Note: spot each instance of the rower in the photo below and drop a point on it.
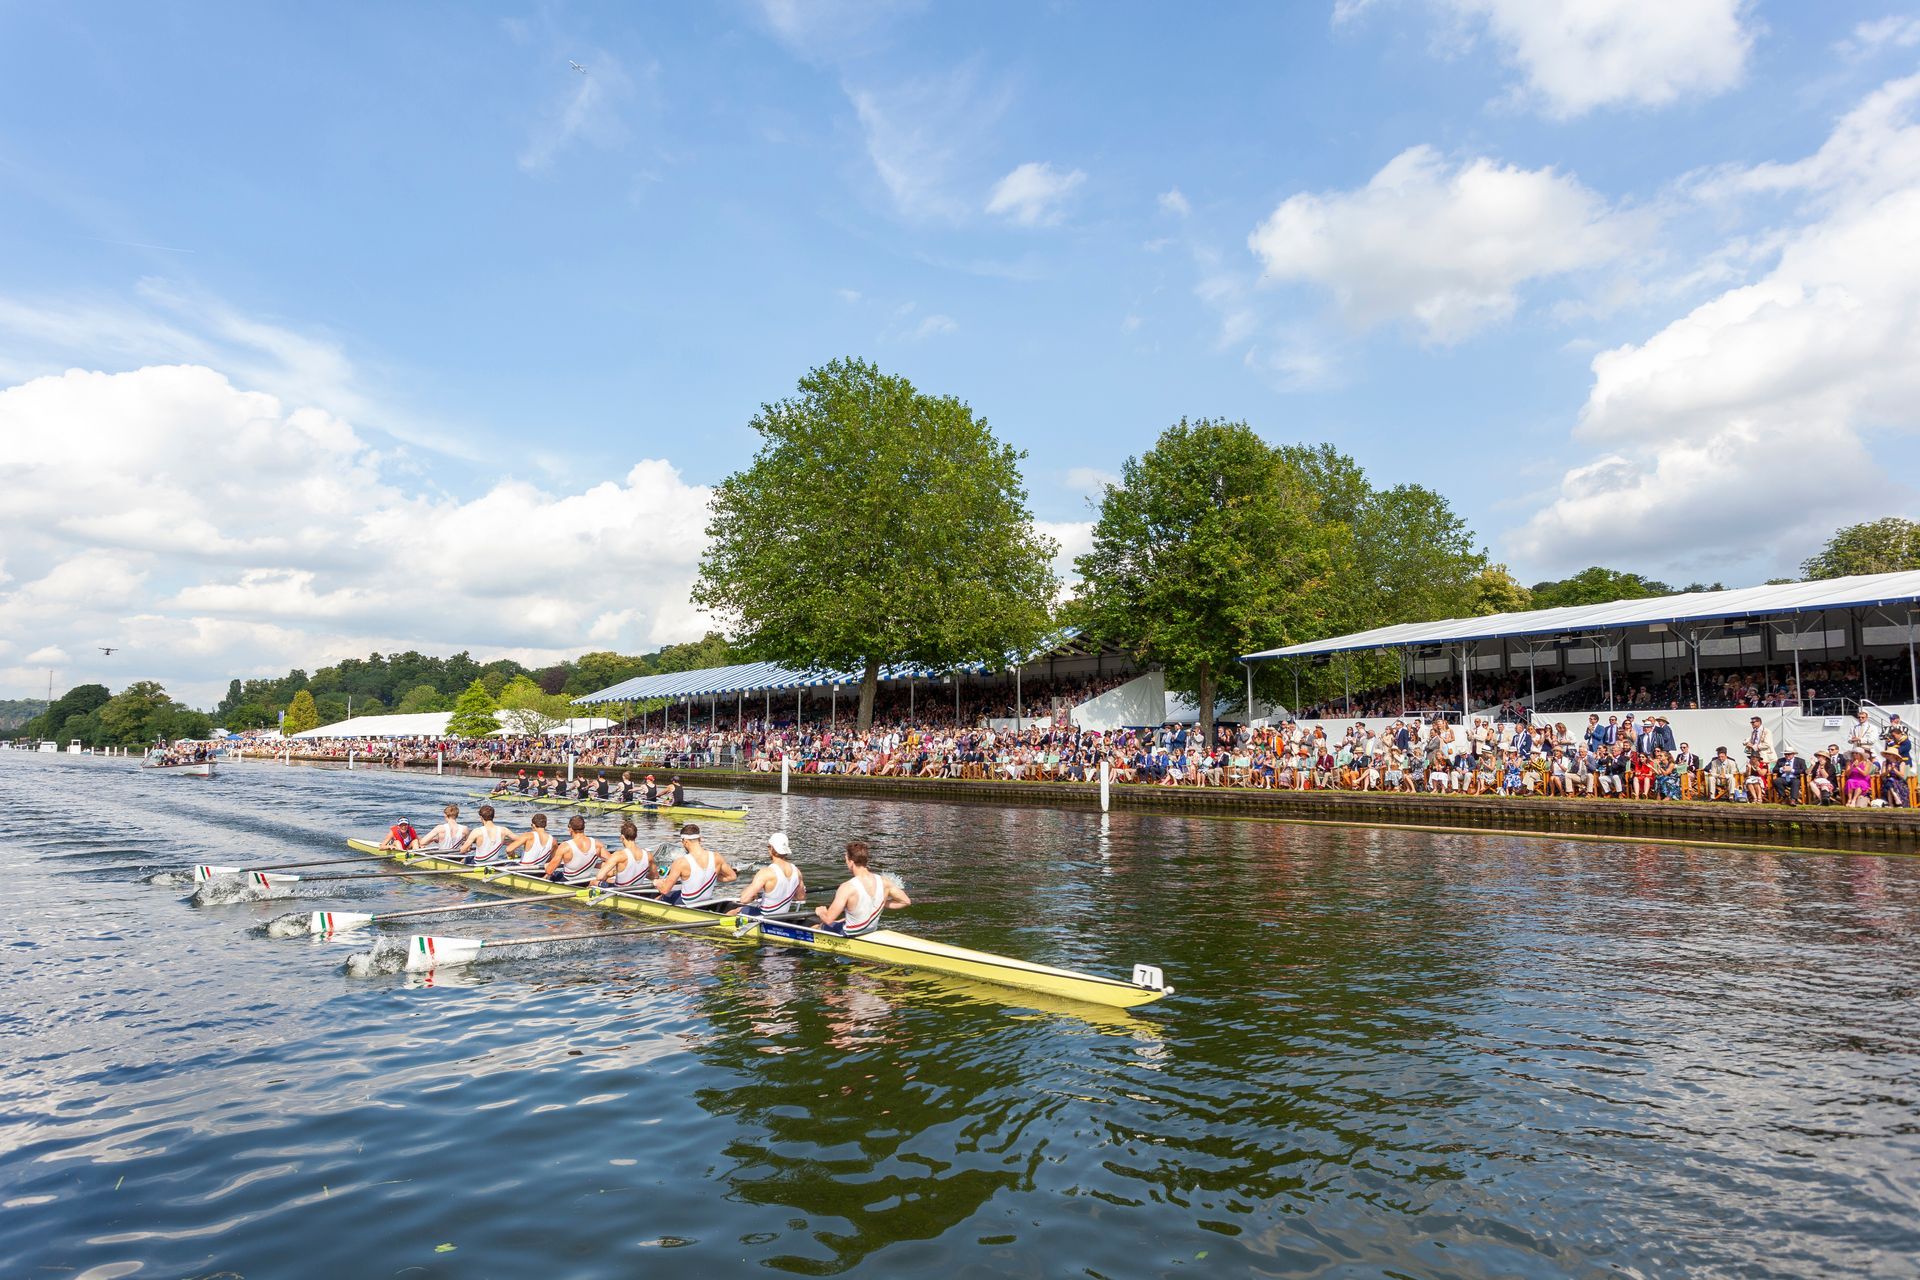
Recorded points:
(629, 865)
(580, 787)
(400, 835)
(676, 794)
(626, 788)
(522, 784)
(449, 833)
(540, 783)
(651, 792)
(575, 857)
(857, 906)
(694, 873)
(601, 790)
(484, 843)
(778, 885)
(531, 849)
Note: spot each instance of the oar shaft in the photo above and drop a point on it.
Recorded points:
(502, 904)
(398, 872)
(600, 933)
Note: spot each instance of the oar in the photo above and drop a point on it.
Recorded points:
(336, 921)
(426, 952)
(205, 871)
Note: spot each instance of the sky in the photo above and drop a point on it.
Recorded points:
(332, 329)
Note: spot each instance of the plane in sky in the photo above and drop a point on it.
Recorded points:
(577, 67)
(109, 652)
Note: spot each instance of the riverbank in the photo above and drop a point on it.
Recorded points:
(1758, 826)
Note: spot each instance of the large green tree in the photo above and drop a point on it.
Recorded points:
(143, 713)
(876, 525)
(1887, 545)
(473, 713)
(81, 700)
(1208, 547)
(528, 709)
(302, 714)
(1596, 585)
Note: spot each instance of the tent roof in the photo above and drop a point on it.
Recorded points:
(1709, 607)
(746, 677)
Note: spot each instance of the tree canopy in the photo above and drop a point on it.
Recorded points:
(876, 525)
(1888, 545)
(302, 714)
(473, 712)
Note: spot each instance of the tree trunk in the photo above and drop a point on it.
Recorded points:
(1207, 699)
(869, 684)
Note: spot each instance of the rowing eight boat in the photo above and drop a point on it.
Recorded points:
(637, 806)
(883, 946)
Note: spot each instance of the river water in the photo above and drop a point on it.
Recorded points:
(1388, 1053)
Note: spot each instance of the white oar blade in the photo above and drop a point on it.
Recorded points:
(338, 921)
(426, 952)
(203, 873)
(267, 879)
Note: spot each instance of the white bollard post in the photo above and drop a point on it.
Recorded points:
(440, 761)
(783, 773)
(349, 758)
(1106, 786)
(569, 766)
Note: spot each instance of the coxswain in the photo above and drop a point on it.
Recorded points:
(695, 873)
(401, 835)
(540, 783)
(627, 865)
(484, 843)
(502, 787)
(527, 854)
(776, 887)
(857, 906)
(449, 833)
(522, 784)
(575, 857)
(626, 788)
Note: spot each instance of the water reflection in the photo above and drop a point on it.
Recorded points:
(1421, 1053)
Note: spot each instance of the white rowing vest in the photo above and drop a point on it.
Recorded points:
(490, 842)
(579, 860)
(863, 913)
(633, 873)
(535, 854)
(785, 891)
(452, 833)
(700, 880)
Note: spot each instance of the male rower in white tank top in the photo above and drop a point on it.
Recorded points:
(448, 835)
(532, 848)
(856, 907)
(695, 874)
(575, 857)
(628, 865)
(776, 887)
(484, 842)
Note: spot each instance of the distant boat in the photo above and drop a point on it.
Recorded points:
(191, 768)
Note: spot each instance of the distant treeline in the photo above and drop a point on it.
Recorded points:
(405, 683)
(15, 712)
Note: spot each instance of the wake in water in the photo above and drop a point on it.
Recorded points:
(389, 955)
(229, 890)
(171, 879)
(294, 924)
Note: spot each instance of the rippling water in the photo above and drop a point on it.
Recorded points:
(1389, 1052)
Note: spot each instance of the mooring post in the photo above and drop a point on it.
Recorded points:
(784, 761)
(1106, 786)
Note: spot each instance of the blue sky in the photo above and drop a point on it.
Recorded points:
(1623, 279)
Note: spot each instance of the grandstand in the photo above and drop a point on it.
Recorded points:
(1807, 654)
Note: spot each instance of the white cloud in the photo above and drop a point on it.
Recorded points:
(1091, 481)
(933, 326)
(47, 656)
(210, 531)
(1033, 194)
(1896, 31)
(1764, 417)
(1448, 247)
(584, 109)
(927, 138)
(1074, 538)
(1171, 201)
(1578, 55)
